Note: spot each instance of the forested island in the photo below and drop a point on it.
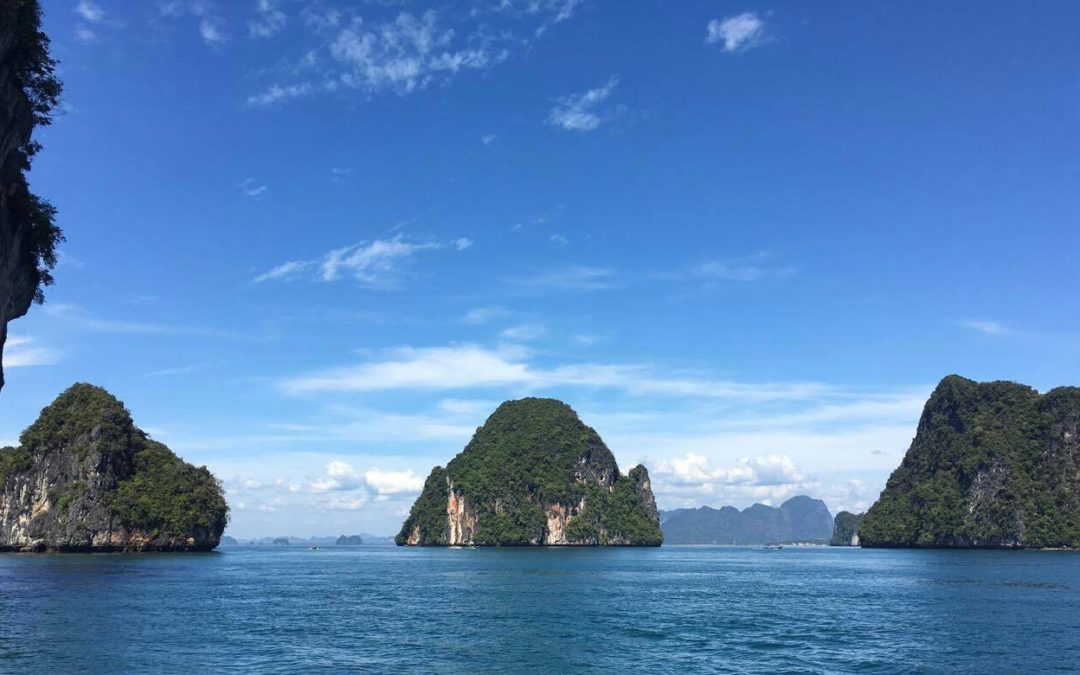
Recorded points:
(992, 465)
(85, 478)
(534, 474)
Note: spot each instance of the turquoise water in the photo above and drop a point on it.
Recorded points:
(690, 609)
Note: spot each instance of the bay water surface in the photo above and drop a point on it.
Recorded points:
(669, 609)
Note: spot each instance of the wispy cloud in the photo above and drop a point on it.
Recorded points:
(488, 139)
(578, 112)
(211, 31)
(85, 34)
(480, 315)
(376, 264)
(269, 19)
(23, 351)
(558, 239)
(575, 278)
(90, 11)
(77, 316)
(756, 267)
(985, 327)
(737, 33)
(404, 55)
(524, 332)
(211, 25)
(252, 188)
(472, 366)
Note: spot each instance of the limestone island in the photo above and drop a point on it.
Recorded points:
(534, 475)
(86, 479)
(992, 465)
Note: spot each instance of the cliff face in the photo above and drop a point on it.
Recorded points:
(799, 519)
(846, 529)
(534, 475)
(992, 465)
(86, 479)
(28, 91)
(17, 282)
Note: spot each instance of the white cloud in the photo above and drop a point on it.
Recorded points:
(211, 31)
(342, 477)
(251, 188)
(90, 11)
(695, 470)
(737, 33)
(488, 139)
(85, 34)
(576, 278)
(286, 270)
(269, 19)
(558, 239)
(749, 268)
(479, 315)
(276, 93)
(577, 112)
(986, 327)
(524, 332)
(79, 317)
(320, 18)
(404, 55)
(393, 482)
(472, 366)
(376, 264)
(23, 351)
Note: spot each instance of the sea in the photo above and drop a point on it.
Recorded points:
(674, 609)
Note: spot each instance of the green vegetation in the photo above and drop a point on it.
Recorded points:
(992, 465)
(845, 527)
(169, 497)
(82, 411)
(12, 461)
(33, 69)
(615, 516)
(150, 488)
(531, 455)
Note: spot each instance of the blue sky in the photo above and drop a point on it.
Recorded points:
(313, 244)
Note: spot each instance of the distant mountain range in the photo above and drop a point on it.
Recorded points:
(346, 540)
(799, 519)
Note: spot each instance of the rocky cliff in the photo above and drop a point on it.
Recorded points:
(992, 465)
(799, 519)
(846, 529)
(85, 478)
(28, 92)
(534, 474)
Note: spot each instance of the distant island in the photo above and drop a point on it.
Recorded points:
(992, 465)
(350, 540)
(846, 529)
(85, 478)
(534, 475)
(799, 519)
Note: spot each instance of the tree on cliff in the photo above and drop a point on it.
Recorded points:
(29, 93)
